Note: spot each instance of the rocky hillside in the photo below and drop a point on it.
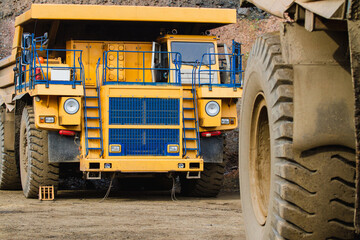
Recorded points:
(9, 9)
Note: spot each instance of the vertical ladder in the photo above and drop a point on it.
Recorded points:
(191, 136)
(92, 115)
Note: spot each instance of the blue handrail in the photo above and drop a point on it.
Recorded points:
(196, 115)
(176, 69)
(85, 113)
(35, 68)
(235, 70)
(99, 105)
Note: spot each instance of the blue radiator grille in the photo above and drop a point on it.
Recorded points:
(144, 111)
(144, 142)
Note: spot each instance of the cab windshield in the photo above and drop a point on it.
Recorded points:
(194, 51)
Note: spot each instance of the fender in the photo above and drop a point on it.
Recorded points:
(323, 90)
(8, 119)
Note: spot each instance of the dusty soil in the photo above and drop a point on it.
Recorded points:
(136, 215)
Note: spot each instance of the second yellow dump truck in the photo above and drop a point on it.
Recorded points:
(117, 90)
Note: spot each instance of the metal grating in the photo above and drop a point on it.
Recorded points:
(144, 111)
(144, 142)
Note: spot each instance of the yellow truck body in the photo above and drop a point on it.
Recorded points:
(112, 84)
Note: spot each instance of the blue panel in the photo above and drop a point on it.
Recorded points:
(144, 111)
(161, 111)
(144, 142)
(126, 111)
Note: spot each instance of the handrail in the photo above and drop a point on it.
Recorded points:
(235, 70)
(97, 72)
(85, 111)
(176, 61)
(234, 80)
(99, 104)
(236, 51)
(35, 68)
(72, 68)
(196, 115)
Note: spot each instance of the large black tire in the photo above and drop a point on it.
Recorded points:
(208, 185)
(9, 171)
(285, 194)
(35, 169)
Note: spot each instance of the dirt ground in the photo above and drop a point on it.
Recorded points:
(135, 215)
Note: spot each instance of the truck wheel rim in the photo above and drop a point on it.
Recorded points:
(260, 159)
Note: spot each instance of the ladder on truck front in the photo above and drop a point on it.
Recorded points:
(92, 117)
(191, 135)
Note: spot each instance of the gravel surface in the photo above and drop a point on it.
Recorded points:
(136, 215)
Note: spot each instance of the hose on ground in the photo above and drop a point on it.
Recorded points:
(109, 189)
(173, 189)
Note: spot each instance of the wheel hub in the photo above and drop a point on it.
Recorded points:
(260, 159)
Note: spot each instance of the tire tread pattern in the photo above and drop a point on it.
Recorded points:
(208, 185)
(315, 191)
(40, 171)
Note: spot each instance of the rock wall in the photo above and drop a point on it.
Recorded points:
(9, 9)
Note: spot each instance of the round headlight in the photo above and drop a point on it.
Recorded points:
(71, 106)
(212, 108)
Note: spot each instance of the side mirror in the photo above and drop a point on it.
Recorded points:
(46, 39)
(26, 57)
(237, 59)
(26, 41)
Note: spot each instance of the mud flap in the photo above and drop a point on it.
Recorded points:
(62, 148)
(212, 149)
(9, 129)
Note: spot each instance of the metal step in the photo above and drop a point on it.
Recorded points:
(93, 117)
(187, 108)
(189, 119)
(192, 149)
(93, 127)
(94, 148)
(191, 139)
(91, 87)
(94, 138)
(91, 107)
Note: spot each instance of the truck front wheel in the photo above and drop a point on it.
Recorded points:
(208, 185)
(286, 194)
(211, 179)
(35, 168)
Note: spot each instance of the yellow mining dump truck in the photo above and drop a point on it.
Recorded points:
(118, 89)
(299, 126)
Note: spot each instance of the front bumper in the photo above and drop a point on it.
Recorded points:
(142, 165)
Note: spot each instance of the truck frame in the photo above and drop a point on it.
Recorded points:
(118, 91)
